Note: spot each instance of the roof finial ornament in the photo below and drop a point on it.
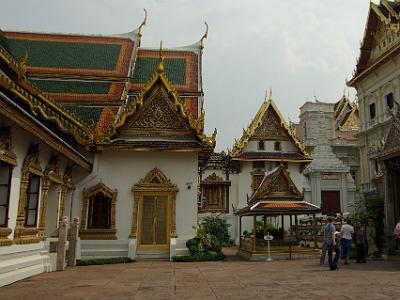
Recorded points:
(143, 23)
(205, 35)
(23, 64)
(270, 93)
(160, 67)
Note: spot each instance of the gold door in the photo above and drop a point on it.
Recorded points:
(154, 225)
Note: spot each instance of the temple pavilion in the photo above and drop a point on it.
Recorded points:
(102, 129)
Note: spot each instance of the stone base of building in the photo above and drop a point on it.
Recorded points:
(21, 261)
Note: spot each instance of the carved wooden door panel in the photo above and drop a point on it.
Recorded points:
(154, 221)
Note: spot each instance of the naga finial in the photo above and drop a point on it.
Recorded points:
(205, 35)
(143, 23)
(160, 67)
(214, 136)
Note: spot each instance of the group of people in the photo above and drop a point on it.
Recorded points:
(340, 242)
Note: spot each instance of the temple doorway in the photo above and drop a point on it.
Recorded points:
(154, 222)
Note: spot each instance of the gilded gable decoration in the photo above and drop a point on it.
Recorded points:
(6, 153)
(158, 86)
(270, 128)
(53, 171)
(98, 233)
(267, 124)
(213, 177)
(155, 179)
(383, 22)
(276, 185)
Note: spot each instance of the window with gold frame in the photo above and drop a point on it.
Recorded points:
(99, 213)
(214, 195)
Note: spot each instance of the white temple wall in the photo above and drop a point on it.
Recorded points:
(122, 170)
(21, 261)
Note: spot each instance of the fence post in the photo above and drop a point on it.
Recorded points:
(73, 237)
(61, 245)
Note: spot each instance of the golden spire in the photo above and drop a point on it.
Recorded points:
(160, 67)
(143, 23)
(205, 35)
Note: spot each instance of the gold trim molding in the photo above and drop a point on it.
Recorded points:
(153, 183)
(31, 165)
(6, 153)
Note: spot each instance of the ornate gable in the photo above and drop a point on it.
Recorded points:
(270, 128)
(382, 22)
(155, 179)
(157, 111)
(276, 185)
(157, 117)
(268, 124)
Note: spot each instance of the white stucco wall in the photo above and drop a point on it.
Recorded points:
(122, 170)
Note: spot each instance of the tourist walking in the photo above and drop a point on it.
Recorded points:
(331, 244)
(346, 233)
(361, 244)
(324, 248)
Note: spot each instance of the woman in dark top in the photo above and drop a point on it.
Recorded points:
(361, 244)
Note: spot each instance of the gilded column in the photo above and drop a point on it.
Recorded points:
(173, 216)
(43, 206)
(19, 228)
(84, 212)
(135, 215)
(63, 194)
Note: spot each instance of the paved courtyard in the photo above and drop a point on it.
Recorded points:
(298, 279)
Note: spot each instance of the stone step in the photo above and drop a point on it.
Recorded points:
(153, 254)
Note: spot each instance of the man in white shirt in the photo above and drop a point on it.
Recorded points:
(346, 234)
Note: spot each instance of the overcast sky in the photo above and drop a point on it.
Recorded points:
(302, 49)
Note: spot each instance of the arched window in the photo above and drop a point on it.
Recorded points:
(277, 146)
(261, 145)
(99, 212)
(5, 185)
(32, 201)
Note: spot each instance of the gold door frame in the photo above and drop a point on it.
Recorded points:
(168, 226)
(155, 183)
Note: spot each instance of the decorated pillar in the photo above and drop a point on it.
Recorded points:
(63, 195)
(135, 215)
(173, 216)
(43, 207)
(22, 234)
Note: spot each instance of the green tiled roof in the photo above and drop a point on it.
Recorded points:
(72, 87)
(3, 42)
(66, 55)
(175, 69)
(88, 114)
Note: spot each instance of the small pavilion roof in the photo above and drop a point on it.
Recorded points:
(277, 194)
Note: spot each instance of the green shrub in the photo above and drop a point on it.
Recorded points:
(212, 256)
(218, 227)
(203, 243)
(103, 261)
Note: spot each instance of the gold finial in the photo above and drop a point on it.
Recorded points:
(270, 93)
(160, 67)
(24, 60)
(143, 23)
(205, 35)
(214, 136)
(23, 64)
